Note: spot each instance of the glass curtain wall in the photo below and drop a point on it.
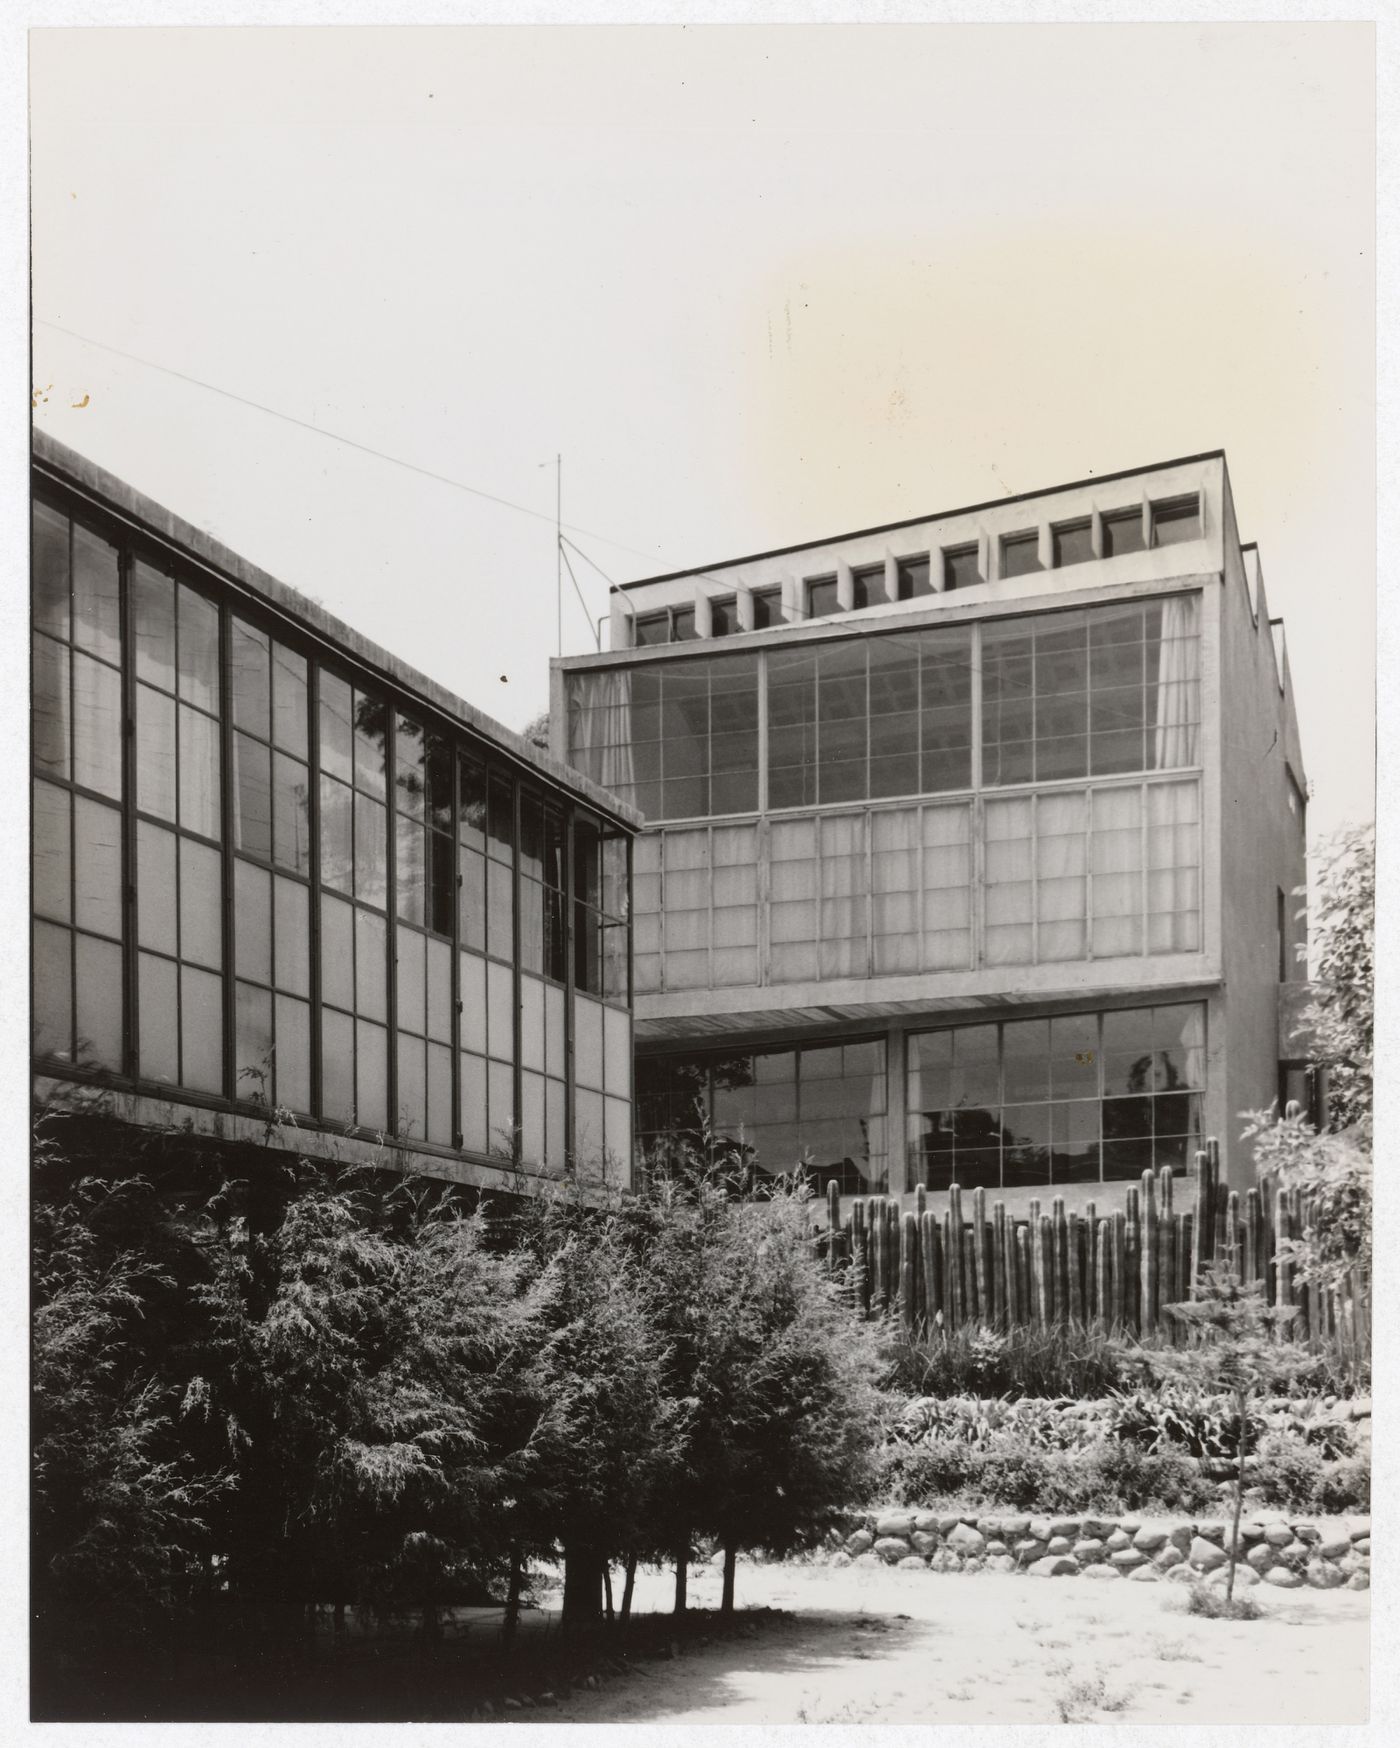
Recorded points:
(1097, 871)
(337, 909)
(818, 1108)
(1074, 694)
(1077, 1098)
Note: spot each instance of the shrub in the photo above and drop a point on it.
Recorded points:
(1286, 1471)
(1009, 1471)
(936, 1469)
(1054, 1362)
(1176, 1415)
(1344, 1486)
(1018, 1474)
(1048, 1425)
(1122, 1477)
(1214, 1605)
(1290, 1472)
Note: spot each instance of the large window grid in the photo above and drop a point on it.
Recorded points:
(1035, 698)
(816, 1107)
(869, 717)
(77, 831)
(1074, 872)
(1075, 1098)
(272, 869)
(179, 833)
(303, 989)
(353, 745)
(425, 900)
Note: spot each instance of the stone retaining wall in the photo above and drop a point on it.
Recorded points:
(1289, 1552)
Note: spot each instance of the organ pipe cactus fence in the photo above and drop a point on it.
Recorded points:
(1115, 1271)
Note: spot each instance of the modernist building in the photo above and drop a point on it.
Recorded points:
(971, 840)
(275, 868)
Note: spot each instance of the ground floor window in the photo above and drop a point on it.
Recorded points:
(815, 1107)
(1075, 1098)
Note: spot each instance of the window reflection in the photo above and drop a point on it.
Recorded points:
(816, 1109)
(1078, 1098)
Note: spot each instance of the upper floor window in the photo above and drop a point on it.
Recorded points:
(1175, 520)
(1072, 542)
(1065, 694)
(1122, 532)
(960, 567)
(767, 608)
(669, 625)
(868, 586)
(821, 597)
(1020, 554)
(724, 617)
(913, 578)
(1103, 690)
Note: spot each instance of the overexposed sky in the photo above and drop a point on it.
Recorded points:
(757, 284)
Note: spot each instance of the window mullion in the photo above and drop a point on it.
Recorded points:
(1088, 871)
(313, 798)
(570, 1000)
(391, 919)
(131, 1014)
(761, 789)
(1035, 876)
(517, 896)
(1142, 867)
(454, 1016)
(230, 1052)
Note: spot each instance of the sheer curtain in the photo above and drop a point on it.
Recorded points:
(1116, 861)
(792, 906)
(1173, 862)
(1009, 891)
(1061, 845)
(600, 727)
(895, 883)
(844, 897)
(1178, 683)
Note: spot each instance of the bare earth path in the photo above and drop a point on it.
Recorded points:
(890, 1647)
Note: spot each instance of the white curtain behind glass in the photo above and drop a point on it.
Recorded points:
(895, 880)
(600, 727)
(843, 878)
(1178, 683)
(1173, 862)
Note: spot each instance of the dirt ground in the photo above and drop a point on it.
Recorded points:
(890, 1647)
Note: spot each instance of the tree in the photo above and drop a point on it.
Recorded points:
(1235, 1352)
(778, 1370)
(536, 730)
(1333, 1170)
(1342, 1015)
(802, 1414)
(119, 1528)
(360, 1354)
(609, 1435)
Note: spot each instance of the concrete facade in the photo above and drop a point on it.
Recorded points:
(1243, 776)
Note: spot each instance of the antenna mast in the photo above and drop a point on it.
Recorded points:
(559, 550)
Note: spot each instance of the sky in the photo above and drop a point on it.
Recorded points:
(755, 286)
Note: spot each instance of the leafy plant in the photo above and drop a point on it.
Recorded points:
(1178, 1416)
(1235, 1348)
(1056, 1362)
(1342, 1016)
